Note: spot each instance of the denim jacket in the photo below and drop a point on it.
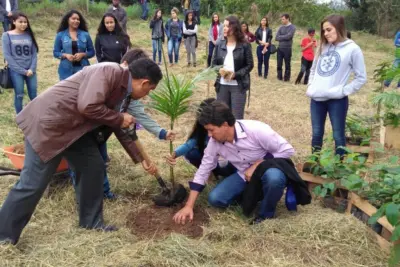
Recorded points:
(63, 44)
(168, 29)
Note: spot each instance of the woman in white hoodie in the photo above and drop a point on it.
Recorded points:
(328, 86)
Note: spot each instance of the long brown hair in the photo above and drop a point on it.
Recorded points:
(236, 28)
(212, 19)
(266, 24)
(15, 16)
(338, 23)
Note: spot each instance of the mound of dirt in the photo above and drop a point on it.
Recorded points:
(157, 222)
(19, 149)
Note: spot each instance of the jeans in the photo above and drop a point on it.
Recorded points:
(6, 24)
(194, 157)
(66, 75)
(106, 183)
(231, 188)
(396, 64)
(211, 47)
(173, 47)
(21, 202)
(337, 109)
(284, 54)
(305, 68)
(263, 58)
(19, 81)
(157, 44)
(145, 9)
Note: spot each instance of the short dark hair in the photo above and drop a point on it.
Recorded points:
(216, 113)
(145, 68)
(348, 34)
(311, 30)
(134, 54)
(286, 15)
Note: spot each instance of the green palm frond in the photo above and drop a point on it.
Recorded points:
(390, 99)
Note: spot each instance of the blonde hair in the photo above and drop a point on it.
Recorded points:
(174, 9)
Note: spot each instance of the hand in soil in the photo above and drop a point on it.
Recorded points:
(181, 216)
(149, 167)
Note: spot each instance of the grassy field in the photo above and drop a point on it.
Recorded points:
(314, 236)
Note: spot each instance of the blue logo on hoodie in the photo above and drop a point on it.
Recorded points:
(328, 63)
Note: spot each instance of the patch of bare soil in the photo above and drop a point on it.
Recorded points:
(153, 221)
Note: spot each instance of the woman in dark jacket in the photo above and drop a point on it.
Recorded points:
(235, 55)
(111, 41)
(263, 39)
(157, 34)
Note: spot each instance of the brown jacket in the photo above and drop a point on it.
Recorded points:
(73, 107)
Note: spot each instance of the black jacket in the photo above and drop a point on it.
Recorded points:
(259, 35)
(110, 47)
(153, 23)
(243, 59)
(253, 192)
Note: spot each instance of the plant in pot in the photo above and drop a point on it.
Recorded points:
(359, 129)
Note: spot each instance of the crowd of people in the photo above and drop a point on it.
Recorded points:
(74, 118)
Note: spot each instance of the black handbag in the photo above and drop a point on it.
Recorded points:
(272, 48)
(5, 79)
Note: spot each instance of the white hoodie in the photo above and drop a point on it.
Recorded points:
(330, 72)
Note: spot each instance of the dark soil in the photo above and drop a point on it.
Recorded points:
(19, 149)
(153, 221)
(338, 205)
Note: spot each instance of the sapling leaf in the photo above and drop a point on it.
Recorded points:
(380, 212)
(324, 192)
(330, 186)
(393, 159)
(395, 255)
(392, 214)
(317, 190)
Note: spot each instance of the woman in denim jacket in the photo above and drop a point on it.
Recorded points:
(73, 44)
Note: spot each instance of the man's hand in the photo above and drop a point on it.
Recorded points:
(170, 135)
(184, 213)
(128, 120)
(249, 172)
(149, 167)
(9, 14)
(171, 159)
(78, 56)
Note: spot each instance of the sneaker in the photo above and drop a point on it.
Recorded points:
(106, 228)
(110, 196)
(194, 65)
(188, 64)
(6, 242)
(290, 199)
(257, 220)
(159, 63)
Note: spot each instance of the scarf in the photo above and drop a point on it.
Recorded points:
(215, 31)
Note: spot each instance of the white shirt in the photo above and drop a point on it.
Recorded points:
(229, 64)
(264, 37)
(8, 6)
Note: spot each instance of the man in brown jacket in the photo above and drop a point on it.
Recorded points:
(60, 123)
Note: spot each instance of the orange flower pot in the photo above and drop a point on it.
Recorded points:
(18, 159)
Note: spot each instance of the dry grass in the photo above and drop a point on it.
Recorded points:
(314, 236)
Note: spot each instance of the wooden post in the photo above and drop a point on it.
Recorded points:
(87, 6)
(208, 11)
(223, 10)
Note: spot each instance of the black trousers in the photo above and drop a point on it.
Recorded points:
(21, 202)
(305, 68)
(284, 54)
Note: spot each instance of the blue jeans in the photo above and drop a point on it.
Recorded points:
(157, 44)
(19, 81)
(194, 157)
(6, 24)
(396, 64)
(106, 183)
(231, 188)
(145, 9)
(211, 47)
(337, 109)
(173, 46)
(64, 76)
(263, 58)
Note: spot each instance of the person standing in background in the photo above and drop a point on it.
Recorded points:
(7, 8)
(396, 61)
(145, 9)
(235, 56)
(215, 35)
(73, 45)
(263, 39)
(112, 42)
(328, 87)
(195, 6)
(185, 6)
(190, 37)
(157, 35)
(308, 45)
(284, 36)
(119, 12)
(20, 51)
(173, 29)
(249, 36)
